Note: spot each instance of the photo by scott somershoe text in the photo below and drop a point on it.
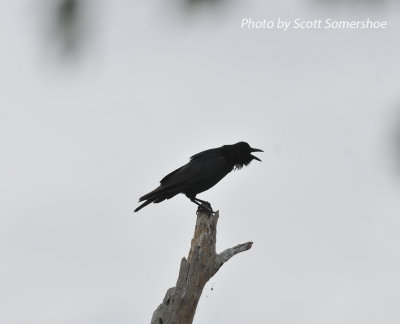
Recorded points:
(301, 24)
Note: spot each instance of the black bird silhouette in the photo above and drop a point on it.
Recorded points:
(204, 170)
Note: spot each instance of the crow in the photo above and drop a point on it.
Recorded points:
(204, 170)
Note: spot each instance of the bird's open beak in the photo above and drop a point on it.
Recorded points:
(255, 150)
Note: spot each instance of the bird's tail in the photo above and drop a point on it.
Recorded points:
(144, 205)
(157, 195)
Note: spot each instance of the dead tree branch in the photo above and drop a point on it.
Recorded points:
(180, 302)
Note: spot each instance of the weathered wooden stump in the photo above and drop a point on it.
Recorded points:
(180, 302)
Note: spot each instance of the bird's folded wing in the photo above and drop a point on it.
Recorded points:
(203, 154)
(199, 169)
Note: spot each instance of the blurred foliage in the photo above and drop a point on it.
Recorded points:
(197, 2)
(71, 19)
(68, 26)
(192, 6)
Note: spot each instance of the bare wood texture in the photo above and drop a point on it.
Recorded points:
(180, 302)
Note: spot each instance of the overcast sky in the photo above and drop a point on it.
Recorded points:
(81, 139)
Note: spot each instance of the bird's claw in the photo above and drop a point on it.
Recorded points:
(205, 207)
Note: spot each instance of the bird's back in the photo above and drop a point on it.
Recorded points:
(202, 172)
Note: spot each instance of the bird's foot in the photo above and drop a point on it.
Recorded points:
(205, 207)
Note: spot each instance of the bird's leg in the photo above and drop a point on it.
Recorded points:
(203, 203)
(193, 200)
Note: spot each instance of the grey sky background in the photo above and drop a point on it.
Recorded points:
(156, 82)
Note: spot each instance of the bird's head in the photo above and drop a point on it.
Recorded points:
(241, 154)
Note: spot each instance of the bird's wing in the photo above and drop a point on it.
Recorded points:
(203, 154)
(199, 169)
(168, 176)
